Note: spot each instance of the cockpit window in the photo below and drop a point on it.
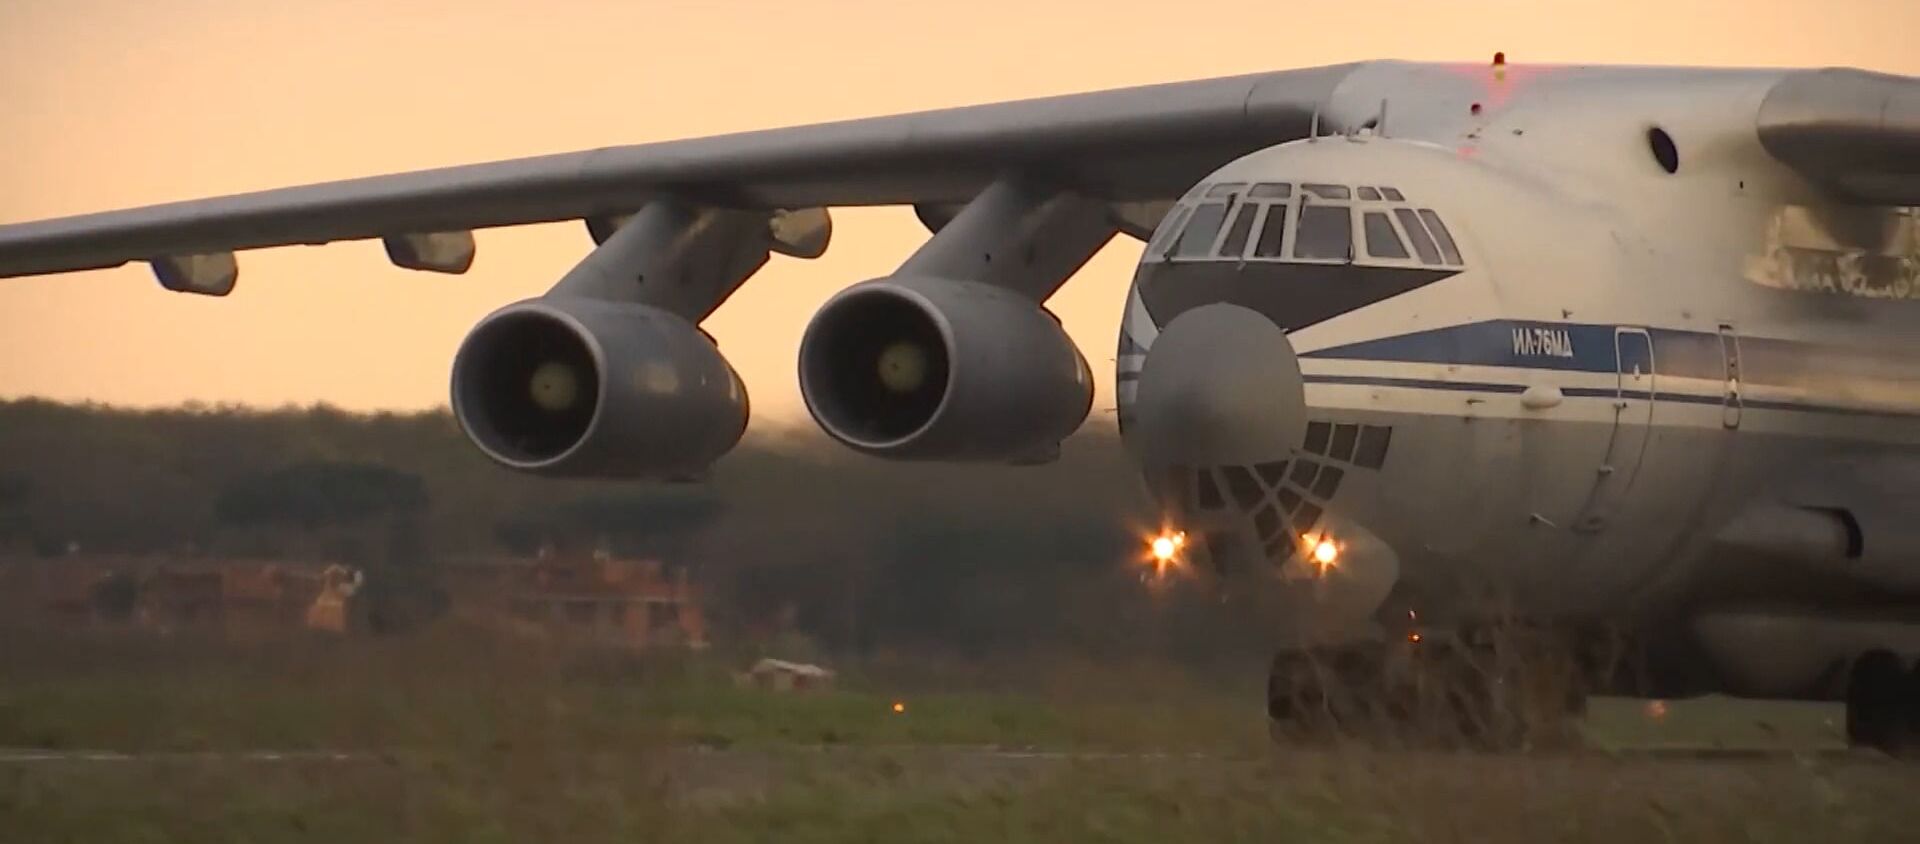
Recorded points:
(1240, 221)
(1440, 234)
(1422, 243)
(1169, 230)
(1382, 240)
(1326, 233)
(1197, 240)
(1236, 242)
(1272, 231)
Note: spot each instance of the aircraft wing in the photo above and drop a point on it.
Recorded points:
(1132, 143)
(1855, 132)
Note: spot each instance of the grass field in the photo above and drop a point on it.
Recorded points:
(456, 690)
(454, 737)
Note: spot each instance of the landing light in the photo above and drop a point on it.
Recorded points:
(1326, 553)
(1164, 549)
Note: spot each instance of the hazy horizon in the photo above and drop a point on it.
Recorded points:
(116, 104)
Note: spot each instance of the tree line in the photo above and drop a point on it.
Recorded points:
(859, 553)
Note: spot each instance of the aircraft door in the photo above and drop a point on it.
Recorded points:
(1634, 395)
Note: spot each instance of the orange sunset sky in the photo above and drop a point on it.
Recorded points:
(113, 103)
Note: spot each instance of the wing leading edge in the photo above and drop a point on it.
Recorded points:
(1131, 143)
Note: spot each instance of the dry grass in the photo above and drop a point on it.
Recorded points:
(461, 738)
(946, 795)
(454, 689)
(1355, 796)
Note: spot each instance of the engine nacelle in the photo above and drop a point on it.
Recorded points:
(936, 369)
(578, 387)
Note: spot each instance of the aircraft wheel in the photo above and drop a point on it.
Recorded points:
(1882, 699)
(1500, 699)
(1910, 710)
(1435, 696)
(1318, 695)
(1298, 708)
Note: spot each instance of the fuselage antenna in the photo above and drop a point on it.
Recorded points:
(1313, 128)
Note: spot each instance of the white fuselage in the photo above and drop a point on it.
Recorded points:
(1620, 359)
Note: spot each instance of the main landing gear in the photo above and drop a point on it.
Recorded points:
(1883, 705)
(1481, 692)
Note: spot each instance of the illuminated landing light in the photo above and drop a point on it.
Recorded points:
(1325, 553)
(1164, 550)
(899, 708)
(1322, 552)
(1656, 710)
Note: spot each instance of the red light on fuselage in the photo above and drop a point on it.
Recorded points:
(1500, 59)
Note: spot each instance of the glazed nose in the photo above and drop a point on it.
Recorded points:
(1221, 386)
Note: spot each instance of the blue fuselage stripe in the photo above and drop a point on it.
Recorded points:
(1600, 392)
(1417, 383)
(1575, 347)
(1608, 349)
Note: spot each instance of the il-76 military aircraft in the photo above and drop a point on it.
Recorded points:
(1626, 359)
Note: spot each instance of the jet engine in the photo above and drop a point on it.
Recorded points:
(936, 369)
(580, 387)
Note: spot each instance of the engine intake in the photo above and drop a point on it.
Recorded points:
(935, 369)
(588, 388)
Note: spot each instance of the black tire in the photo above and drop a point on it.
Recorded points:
(1910, 708)
(1320, 696)
(1880, 703)
(1527, 698)
(1298, 709)
(1438, 696)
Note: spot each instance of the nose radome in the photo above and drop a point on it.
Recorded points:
(1221, 386)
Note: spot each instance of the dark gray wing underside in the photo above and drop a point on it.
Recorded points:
(1143, 142)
